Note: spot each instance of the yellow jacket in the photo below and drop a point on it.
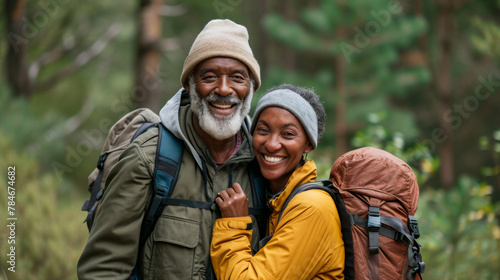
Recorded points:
(306, 244)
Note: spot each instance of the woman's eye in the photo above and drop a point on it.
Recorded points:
(288, 134)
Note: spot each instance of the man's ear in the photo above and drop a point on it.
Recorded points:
(187, 81)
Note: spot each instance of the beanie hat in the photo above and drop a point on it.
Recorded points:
(221, 38)
(295, 104)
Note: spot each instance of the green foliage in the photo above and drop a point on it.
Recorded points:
(460, 233)
(49, 235)
(487, 40)
(389, 135)
(26, 130)
(368, 36)
(492, 145)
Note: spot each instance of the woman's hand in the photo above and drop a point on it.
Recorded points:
(233, 202)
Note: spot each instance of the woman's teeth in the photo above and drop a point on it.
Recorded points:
(273, 159)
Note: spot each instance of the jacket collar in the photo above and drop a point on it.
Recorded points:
(304, 174)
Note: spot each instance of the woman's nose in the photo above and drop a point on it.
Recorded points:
(273, 143)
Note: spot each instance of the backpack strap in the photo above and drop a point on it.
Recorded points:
(90, 205)
(414, 256)
(373, 226)
(259, 209)
(168, 156)
(400, 232)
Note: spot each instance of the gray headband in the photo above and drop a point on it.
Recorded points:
(296, 104)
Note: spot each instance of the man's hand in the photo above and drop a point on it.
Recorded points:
(233, 202)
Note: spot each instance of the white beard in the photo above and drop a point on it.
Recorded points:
(219, 127)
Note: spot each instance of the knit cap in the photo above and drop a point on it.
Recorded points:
(295, 104)
(221, 38)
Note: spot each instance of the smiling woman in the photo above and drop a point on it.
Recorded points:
(306, 243)
(279, 141)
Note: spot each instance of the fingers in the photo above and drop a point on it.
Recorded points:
(224, 195)
(230, 195)
(219, 201)
(237, 188)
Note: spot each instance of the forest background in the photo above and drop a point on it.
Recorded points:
(417, 78)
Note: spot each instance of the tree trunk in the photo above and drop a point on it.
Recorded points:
(340, 105)
(146, 92)
(445, 40)
(288, 12)
(18, 37)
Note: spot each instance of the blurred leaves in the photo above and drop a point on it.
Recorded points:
(488, 37)
(460, 233)
(49, 235)
(368, 36)
(379, 133)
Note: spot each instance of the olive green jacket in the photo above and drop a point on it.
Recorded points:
(179, 247)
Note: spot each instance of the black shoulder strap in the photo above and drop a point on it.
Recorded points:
(90, 205)
(259, 209)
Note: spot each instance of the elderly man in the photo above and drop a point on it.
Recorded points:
(209, 114)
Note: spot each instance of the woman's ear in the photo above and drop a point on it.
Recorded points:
(309, 147)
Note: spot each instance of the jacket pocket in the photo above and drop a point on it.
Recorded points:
(175, 241)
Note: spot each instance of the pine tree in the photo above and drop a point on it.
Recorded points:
(358, 55)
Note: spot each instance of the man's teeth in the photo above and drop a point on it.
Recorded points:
(222, 106)
(273, 159)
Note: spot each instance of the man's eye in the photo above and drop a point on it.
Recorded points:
(207, 78)
(261, 130)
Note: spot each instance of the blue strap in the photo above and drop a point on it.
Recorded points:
(168, 156)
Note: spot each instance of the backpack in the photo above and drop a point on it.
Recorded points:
(376, 195)
(168, 156)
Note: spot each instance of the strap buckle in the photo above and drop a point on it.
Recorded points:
(374, 222)
(155, 202)
(413, 225)
(101, 160)
(373, 226)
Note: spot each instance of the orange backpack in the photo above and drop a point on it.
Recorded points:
(376, 195)
(380, 193)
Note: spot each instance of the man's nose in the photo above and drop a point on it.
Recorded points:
(224, 87)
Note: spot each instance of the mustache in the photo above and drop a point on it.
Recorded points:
(222, 99)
